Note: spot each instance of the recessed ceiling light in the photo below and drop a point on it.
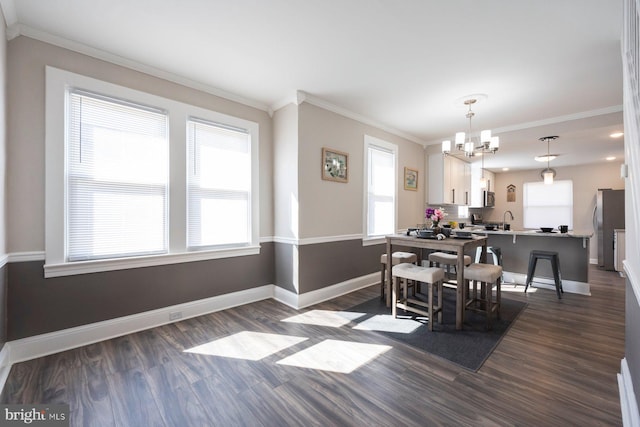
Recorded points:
(616, 134)
(545, 158)
(505, 169)
(610, 158)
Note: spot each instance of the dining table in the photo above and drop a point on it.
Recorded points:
(450, 244)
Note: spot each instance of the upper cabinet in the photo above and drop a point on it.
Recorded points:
(477, 193)
(449, 180)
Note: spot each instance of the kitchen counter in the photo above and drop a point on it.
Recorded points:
(537, 233)
(516, 245)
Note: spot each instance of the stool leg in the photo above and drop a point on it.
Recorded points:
(394, 296)
(382, 281)
(532, 268)
(556, 275)
(440, 302)
(489, 303)
(498, 296)
(430, 308)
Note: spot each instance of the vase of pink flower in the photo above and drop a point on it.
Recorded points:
(435, 216)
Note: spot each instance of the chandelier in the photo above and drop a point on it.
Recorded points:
(486, 144)
(547, 174)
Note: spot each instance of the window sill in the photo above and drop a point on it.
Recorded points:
(96, 266)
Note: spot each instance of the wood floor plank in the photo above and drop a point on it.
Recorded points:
(556, 366)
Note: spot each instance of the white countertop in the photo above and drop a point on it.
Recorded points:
(573, 233)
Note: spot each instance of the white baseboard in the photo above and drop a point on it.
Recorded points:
(570, 286)
(325, 294)
(5, 364)
(67, 339)
(314, 297)
(628, 402)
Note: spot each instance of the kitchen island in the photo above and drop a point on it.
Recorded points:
(572, 248)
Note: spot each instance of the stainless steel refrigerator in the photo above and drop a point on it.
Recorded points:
(608, 216)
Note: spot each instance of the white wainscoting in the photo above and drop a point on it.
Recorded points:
(628, 402)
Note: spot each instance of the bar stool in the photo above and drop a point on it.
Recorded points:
(486, 275)
(494, 252)
(437, 259)
(554, 258)
(396, 258)
(432, 276)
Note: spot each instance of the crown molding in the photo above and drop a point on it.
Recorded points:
(9, 12)
(135, 65)
(548, 121)
(319, 102)
(559, 119)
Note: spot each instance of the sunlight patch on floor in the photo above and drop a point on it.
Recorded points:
(335, 356)
(334, 319)
(387, 323)
(247, 345)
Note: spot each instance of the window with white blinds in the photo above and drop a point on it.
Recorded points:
(135, 180)
(548, 205)
(117, 180)
(219, 185)
(381, 187)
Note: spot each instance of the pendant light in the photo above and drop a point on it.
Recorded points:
(548, 174)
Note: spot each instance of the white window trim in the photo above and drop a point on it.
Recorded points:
(57, 83)
(370, 141)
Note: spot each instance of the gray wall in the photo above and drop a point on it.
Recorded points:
(324, 264)
(3, 178)
(39, 305)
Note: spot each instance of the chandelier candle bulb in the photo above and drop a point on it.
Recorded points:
(468, 148)
(485, 136)
(446, 146)
(460, 139)
(494, 143)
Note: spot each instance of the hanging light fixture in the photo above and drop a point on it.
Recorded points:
(548, 174)
(487, 143)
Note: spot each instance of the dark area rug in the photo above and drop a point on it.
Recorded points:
(468, 348)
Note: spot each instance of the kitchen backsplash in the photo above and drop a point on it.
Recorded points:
(459, 213)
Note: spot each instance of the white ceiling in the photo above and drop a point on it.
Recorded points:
(548, 68)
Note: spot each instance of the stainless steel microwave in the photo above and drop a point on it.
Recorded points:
(489, 199)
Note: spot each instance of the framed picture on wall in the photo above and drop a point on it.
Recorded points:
(410, 179)
(335, 165)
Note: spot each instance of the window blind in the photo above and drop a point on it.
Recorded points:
(381, 191)
(117, 163)
(548, 205)
(219, 185)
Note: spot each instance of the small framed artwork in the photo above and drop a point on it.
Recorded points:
(410, 179)
(335, 165)
(511, 193)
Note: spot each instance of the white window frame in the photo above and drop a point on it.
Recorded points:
(528, 222)
(58, 83)
(373, 142)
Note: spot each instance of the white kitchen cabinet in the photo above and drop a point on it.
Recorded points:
(477, 193)
(448, 180)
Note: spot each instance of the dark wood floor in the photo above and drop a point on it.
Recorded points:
(556, 366)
